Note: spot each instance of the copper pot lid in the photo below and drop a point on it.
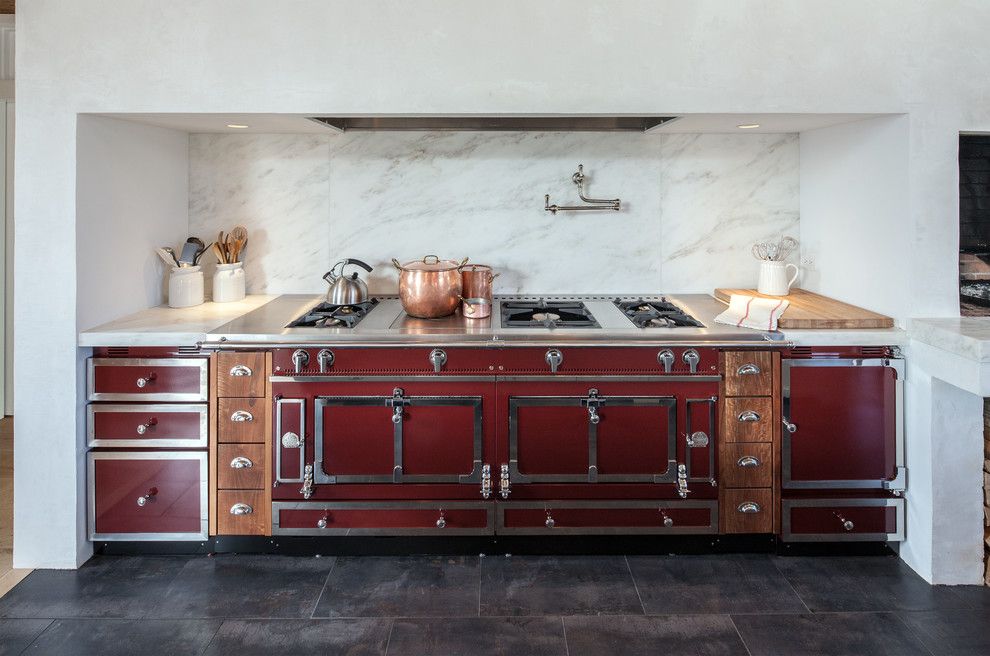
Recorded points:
(430, 263)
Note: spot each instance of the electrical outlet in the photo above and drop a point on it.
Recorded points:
(808, 261)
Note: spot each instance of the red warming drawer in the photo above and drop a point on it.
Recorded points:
(841, 520)
(382, 517)
(178, 425)
(607, 517)
(148, 379)
(148, 495)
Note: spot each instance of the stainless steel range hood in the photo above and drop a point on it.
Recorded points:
(495, 123)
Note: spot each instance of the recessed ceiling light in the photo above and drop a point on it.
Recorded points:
(744, 126)
(240, 126)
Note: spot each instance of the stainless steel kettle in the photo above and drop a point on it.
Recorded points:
(346, 290)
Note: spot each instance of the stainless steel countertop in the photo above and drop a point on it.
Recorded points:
(387, 324)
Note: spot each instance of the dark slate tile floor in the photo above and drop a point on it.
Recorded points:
(710, 605)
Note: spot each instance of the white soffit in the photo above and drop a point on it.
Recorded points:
(769, 123)
(300, 124)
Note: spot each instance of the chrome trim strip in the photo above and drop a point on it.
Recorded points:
(204, 488)
(711, 528)
(788, 536)
(194, 397)
(277, 441)
(897, 364)
(279, 506)
(548, 377)
(148, 408)
(689, 430)
(592, 476)
(407, 342)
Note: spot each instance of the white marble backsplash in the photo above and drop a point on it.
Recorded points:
(691, 205)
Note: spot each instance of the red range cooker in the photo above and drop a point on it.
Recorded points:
(513, 440)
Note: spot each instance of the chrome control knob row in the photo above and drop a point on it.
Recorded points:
(690, 357)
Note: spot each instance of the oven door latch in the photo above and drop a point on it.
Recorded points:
(397, 403)
(593, 403)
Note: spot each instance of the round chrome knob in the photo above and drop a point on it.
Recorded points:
(441, 523)
(142, 501)
(143, 382)
(550, 523)
(322, 523)
(144, 428)
(291, 440)
(848, 525)
(668, 522)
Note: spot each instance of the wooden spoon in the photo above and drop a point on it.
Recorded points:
(218, 251)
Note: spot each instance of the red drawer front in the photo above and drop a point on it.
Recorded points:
(604, 517)
(154, 496)
(171, 425)
(365, 518)
(841, 520)
(604, 361)
(165, 379)
(386, 361)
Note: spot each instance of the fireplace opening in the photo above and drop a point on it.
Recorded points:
(974, 225)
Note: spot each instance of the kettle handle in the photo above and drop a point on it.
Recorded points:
(359, 263)
(329, 276)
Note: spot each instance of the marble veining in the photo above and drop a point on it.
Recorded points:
(691, 205)
(275, 185)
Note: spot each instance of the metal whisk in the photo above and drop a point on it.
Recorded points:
(774, 251)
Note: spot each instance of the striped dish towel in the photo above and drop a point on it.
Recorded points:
(753, 312)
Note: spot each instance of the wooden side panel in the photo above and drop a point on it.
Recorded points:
(254, 523)
(268, 447)
(247, 385)
(735, 520)
(736, 424)
(740, 383)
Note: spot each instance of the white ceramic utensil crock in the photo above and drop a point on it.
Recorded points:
(228, 283)
(773, 278)
(185, 287)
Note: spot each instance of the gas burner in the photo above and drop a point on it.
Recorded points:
(547, 314)
(656, 314)
(327, 315)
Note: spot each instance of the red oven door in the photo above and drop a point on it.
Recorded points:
(596, 436)
(384, 439)
(842, 423)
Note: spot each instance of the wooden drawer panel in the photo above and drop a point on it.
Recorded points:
(746, 464)
(242, 420)
(148, 379)
(241, 374)
(241, 512)
(747, 511)
(147, 495)
(607, 517)
(748, 373)
(842, 520)
(748, 419)
(383, 518)
(241, 466)
(174, 425)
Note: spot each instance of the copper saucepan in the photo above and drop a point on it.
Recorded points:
(476, 283)
(431, 287)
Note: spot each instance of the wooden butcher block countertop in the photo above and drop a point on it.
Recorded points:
(810, 310)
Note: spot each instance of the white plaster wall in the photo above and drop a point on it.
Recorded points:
(132, 191)
(692, 205)
(446, 56)
(855, 228)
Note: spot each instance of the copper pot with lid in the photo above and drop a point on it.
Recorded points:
(430, 288)
(476, 284)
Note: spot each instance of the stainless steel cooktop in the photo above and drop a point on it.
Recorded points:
(387, 323)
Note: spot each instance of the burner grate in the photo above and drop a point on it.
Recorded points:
(327, 315)
(547, 314)
(656, 314)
